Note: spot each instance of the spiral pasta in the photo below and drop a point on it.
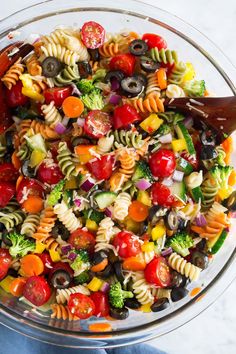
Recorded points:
(177, 74)
(188, 269)
(62, 295)
(148, 256)
(12, 75)
(51, 114)
(121, 206)
(190, 211)
(66, 76)
(105, 145)
(74, 44)
(209, 189)
(164, 55)
(65, 162)
(194, 180)
(24, 127)
(151, 104)
(46, 223)
(62, 312)
(126, 138)
(13, 205)
(171, 118)
(61, 53)
(33, 65)
(104, 235)
(67, 217)
(219, 160)
(174, 91)
(127, 160)
(24, 152)
(12, 219)
(57, 36)
(47, 132)
(152, 87)
(142, 289)
(160, 293)
(30, 224)
(2, 150)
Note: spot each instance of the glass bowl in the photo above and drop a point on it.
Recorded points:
(220, 76)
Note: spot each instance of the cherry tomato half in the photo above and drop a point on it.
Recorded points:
(50, 175)
(81, 305)
(8, 173)
(37, 290)
(127, 244)
(29, 186)
(92, 34)
(47, 262)
(81, 239)
(101, 304)
(57, 94)
(124, 62)
(153, 40)
(157, 272)
(162, 163)
(7, 191)
(101, 168)
(5, 262)
(97, 124)
(15, 97)
(161, 195)
(124, 116)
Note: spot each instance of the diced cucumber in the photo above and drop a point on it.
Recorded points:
(179, 189)
(219, 242)
(183, 133)
(184, 166)
(197, 194)
(36, 142)
(104, 199)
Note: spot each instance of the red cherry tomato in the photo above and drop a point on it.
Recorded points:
(81, 239)
(57, 94)
(101, 168)
(153, 40)
(7, 191)
(191, 159)
(8, 173)
(169, 67)
(6, 118)
(5, 262)
(127, 244)
(29, 186)
(81, 306)
(50, 175)
(15, 96)
(161, 195)
(157, 272)
(47, 261)
(5, 60)
(162, 163)
(101, 304)
(92, 34)
(97, 124)
(124, 62)
(124, 116)
(37, 290)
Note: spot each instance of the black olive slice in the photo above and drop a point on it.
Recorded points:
(149, 65)
(26, 170)
(51, 67)
(132, 303)
(160, 305)
(5, 238)
(106, 273)
(119, 314)
(177, 280)
(138, 47)
(200, 259)
(61, 279)
(85, 69)
(208, 138)
(131, 86)
(178, 294)
(60, 230)
(114, 75)
(119, 271)
(208, 152)
(94, 54)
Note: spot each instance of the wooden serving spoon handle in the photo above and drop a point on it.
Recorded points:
(217, 112)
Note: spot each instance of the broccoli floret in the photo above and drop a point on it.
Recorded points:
(94, 215)
(117, 295)
(20, 245)
(221, 175)
(81, 261)
(164, 129)
(68, 198)
(180, 243)
(82, 278)
(85, 86)
(56, 193)
(195, 88)
(99, 75)
(142, 170)
(93, 100)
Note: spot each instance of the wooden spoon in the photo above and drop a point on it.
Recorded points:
(217, 112)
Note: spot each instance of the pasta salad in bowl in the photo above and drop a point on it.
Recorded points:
(111, 204)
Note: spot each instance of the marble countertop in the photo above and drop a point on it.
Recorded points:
(214, 330)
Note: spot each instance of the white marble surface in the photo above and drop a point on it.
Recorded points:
(214, 331)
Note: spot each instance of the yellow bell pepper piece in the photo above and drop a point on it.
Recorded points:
(148, 246)
(179, 145)
(26, 80)
(95, 284)
(146, 307)
(40, 247)
(71, 183)
(151, 123)
(55, 256)
(190, 72)
(158, 231)
(144, 198)
(6, 282)
(224, 193)
(34, 95)
(91, 225)
(36, 158)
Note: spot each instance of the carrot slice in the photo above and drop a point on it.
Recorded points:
(83, 149)
(33, 204)
(161, 78)
(197, 229)
(18, 182)
(100, 266)
(134, 263)
(232, 178)
(228, 147)
(138, 211)
(100, 327)
(72, 107)
(31, 265)
(16, 161)
(17, 286)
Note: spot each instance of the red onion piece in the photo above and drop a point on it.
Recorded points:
(178, 176)
(87, 185)
(143, 184)
(115, 85)
(66, 249)
(188, 122)
(167, 252)
(166, 139)
(105, 287)
(200, 220)
(233, 214)
(72, 256)
(60, 128)
(108, 212)
(75, 90)
(77, 202)
(167, 182)
(115, 99)
(80, 122)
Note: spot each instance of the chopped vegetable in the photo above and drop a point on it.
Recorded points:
(56, 193)
(20, 245)
(117, 295)
(180, 243)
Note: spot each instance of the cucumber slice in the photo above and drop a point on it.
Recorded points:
(197, 194)
(104, 199)
(184, 166)
(183, 133)
(219, 242)
(179, 189)
(36, 142)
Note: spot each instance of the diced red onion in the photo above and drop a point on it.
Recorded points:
(115, 99)
(178, 176)
(200, 220)
(75, 90)
(80, 122)
(60, 128)
(105, 287)
(108, 212)
(66, 249)
(166, 139)
(77, 202)
(87, 185)
(72, 256)
(143, 184)
(167, 252)
(188, 122)
(227, 229)
(233, 214)
(167, 181)
(115, 85)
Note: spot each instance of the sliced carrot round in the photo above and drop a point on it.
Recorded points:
(72, 107)
(33, 204)
(31, 265)
(100, 266)
(17, 286)
(138, 211)
(161, 78)
(134, 263)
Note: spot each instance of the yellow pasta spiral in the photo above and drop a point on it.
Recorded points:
(62, 312)
(147, 105)
(12, 75)
(33, 65)
(61, 53)
(188, 269)
(51, 114)
(152, 85)
(127, 161)
(25, 125)
(109, 49)
(46, 223)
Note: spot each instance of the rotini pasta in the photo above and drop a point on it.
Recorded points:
(209, 190)
(30, 224)
(177, 74)
(127, 160)
(65, 161)
(67, 217)
(127, 138)
(67, 76)
(12, 219)
(47, 132)
(61, 53)
(105, 145)
(51, 114)
(62, 295)
(164, 55)
(105, 233)
(142, 289)
(152, 87)
(62, 312)
(33, 65)
(24, 152)
(2, 150)
(179, 264)
(121, 206)
(12, 75)
(174, 91)
(151, 104)
(46, 223)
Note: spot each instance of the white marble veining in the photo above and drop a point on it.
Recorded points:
(214, 331)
